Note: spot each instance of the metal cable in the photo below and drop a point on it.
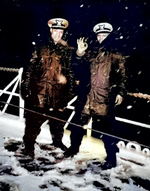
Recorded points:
(9, 69)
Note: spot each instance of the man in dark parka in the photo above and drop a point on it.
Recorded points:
(107, 88)
(48, 86)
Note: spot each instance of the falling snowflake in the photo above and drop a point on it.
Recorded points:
(129, 106)
(33, 43)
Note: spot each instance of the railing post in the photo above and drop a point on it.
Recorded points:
(21, 101)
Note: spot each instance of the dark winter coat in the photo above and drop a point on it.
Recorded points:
(107, 72)
(40, 85)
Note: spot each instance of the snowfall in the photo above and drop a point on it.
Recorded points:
(83, 172)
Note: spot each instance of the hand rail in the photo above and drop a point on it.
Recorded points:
(16, 82)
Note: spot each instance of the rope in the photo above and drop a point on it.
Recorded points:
(140, 95)
(48, 116)
(9, 69)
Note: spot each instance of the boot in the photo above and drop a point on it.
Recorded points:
(29, 147)
(70, 152)
(60, 145)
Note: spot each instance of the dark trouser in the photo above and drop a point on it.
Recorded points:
(33, 128)
(57, 126)
(106, 125)
(77, 132)
(76, 136)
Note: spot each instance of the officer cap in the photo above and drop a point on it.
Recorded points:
(58, 23)
(103, 28)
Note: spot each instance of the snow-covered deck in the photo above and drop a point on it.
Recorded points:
(12, 127)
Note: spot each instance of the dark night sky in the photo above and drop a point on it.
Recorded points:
(25, 21)
(21, 21)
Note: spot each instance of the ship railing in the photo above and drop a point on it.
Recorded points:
(14, 85)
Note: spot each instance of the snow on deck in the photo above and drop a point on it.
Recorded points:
(94, 178)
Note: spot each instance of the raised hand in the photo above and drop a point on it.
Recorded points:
(82, 45)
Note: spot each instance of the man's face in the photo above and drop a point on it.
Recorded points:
(101, 37)
(56, 34)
